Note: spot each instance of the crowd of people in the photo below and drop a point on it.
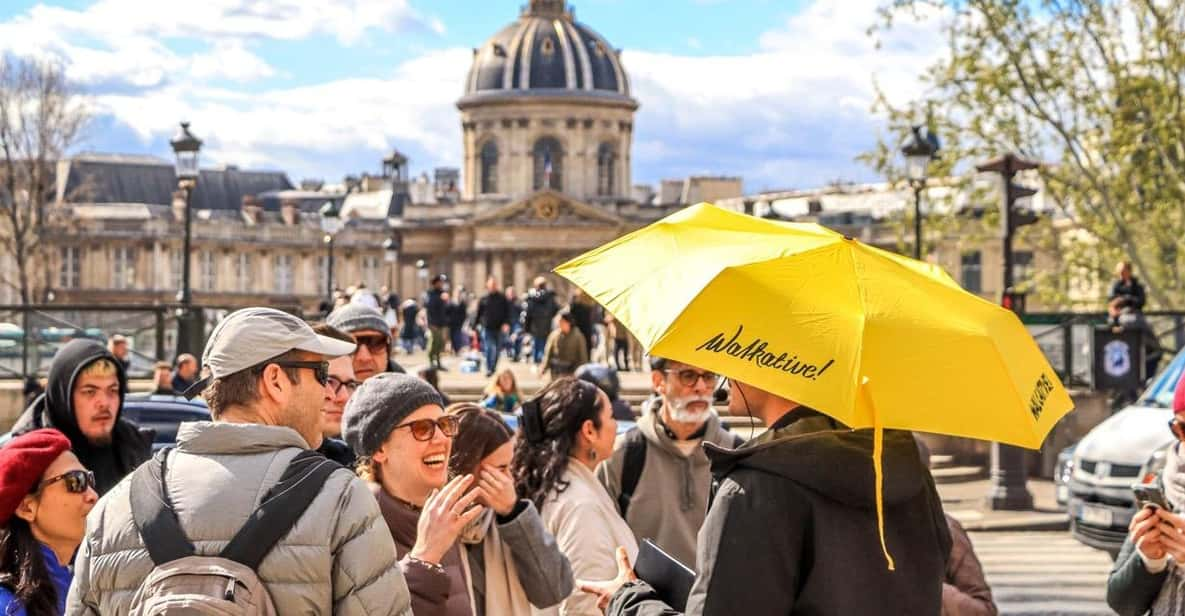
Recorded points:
(405, 504)
(499, 324)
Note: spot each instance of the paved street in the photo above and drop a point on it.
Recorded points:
(1047, 573)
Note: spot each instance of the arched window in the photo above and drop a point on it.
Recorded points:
(549, 164)
(489, 168)
(606, 170)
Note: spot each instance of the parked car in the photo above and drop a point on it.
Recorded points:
(1116, 454)
(1062, 473)
(163, 414)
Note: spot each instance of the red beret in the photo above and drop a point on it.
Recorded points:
(23, 461)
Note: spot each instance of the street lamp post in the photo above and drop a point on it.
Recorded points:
(331, 223)
(919, 150)
(422, 273)
(391, 255)
(186, 147)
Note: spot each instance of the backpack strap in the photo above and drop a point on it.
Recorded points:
(631, 469)
(153, 512)
(280, 508)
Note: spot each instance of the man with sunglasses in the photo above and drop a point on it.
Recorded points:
(370, 331)
(658, 474)
(342, 385)
(266, 381)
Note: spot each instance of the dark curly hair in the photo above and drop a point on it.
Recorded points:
(538, 466)
(23, 570)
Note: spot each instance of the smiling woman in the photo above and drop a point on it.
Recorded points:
(397, 426)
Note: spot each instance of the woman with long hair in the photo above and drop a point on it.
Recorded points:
(515, 563)
(397, 426)
(502, 393)
(45, 494)
(564, 432)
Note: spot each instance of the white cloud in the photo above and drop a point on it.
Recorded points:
(795, 113)
(124, 41)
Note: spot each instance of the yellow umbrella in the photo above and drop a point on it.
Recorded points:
(871, 338)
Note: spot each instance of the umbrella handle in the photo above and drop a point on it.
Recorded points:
(878, 450)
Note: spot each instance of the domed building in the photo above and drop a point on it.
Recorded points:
(547, 121)
(547, 105)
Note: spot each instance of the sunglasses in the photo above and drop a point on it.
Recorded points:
(425, 429)
(335, 384)
(374, 344)
(76, 482)
(688, 378)
(320, 368)
(1177, 427)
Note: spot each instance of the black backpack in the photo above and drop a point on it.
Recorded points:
(634, 461)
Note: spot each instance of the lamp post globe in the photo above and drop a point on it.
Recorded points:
(187, 149)
(919, 149)
(331, 223)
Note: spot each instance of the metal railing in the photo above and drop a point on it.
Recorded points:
(31, 335)
(1066, 338)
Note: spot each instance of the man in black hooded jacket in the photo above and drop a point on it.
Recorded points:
(84, 401)
(792, 527)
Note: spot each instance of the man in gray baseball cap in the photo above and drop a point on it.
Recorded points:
(265, 380)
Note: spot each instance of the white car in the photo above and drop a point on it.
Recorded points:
(1115, 455)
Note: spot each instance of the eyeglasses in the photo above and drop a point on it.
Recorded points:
(76, 482)
(1177, 427)
(688, 378)
(335, 384)
(320, 368)
(425, 429)
(374, 344)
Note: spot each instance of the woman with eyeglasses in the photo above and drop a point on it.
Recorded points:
(45, 494)
(1148, 577)
(397, 426)
(515, 562)
(564, 432)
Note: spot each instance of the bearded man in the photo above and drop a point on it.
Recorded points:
(658, 473)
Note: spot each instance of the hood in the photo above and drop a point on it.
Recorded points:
(1127, 437)
(55, 408)
(835, 463)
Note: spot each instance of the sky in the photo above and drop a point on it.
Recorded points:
(778, 92)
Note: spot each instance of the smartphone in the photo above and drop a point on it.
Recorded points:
(1150, 495)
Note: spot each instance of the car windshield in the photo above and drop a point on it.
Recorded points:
(1161, 393)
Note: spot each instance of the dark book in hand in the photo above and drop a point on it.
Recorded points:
(671, 579)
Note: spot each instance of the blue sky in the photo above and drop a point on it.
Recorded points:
(778, 92)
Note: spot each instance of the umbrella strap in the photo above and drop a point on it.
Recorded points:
(878, 449)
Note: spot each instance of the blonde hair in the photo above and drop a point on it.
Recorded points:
(100, 368)
(366, 469)
(493, 390)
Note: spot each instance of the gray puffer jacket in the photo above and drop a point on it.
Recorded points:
(337, 559)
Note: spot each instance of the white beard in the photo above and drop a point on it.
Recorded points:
(681, 412)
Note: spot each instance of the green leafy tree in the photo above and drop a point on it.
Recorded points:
(1095, 89)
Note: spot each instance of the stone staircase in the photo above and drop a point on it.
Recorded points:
(945, 469)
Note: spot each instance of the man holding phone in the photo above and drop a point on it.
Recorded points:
(1156, 534)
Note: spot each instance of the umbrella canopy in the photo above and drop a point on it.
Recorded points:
(868, 337)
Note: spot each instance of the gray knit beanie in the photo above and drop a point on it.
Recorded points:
(382, 402)
(355, 317)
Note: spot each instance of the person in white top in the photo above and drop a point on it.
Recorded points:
(564, 432)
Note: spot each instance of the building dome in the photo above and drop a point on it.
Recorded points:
(547, 53)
